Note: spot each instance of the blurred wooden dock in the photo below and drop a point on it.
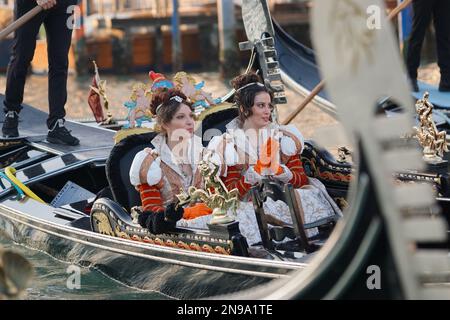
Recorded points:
(135, 35)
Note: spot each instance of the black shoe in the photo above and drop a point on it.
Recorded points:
(414, 85)
(10, 126)
(59, 134)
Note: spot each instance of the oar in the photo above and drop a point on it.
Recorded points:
(321, 84)
(20, 22)
(399, 9)
(305, 102)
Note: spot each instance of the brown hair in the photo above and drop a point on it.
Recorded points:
(245, 97)
(169, 107)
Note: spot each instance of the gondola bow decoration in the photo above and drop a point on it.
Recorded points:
(98, 99)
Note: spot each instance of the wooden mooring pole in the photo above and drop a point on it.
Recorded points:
(228, 49)
(177, 64)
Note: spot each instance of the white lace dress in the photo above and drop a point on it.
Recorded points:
(315, 201)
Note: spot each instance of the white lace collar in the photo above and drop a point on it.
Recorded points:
(241, 141)
(195, 149)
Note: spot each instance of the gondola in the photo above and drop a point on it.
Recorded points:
(74, 179)
(69, 179)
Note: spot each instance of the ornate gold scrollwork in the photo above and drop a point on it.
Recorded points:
(214, 194)
(119, 233)
(342, 203)
(343, 152)
(102, 222)
(434, 142)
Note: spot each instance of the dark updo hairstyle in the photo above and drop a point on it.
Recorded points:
(245, 98)
(165, 108)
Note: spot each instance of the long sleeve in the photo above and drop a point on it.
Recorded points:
(136, 167)
(235, 179)
(147, 183)
(299, 178)
(145, 169)
(151, 198)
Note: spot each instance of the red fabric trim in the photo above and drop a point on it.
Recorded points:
(299, 178)
(235, 180)
(151, 198)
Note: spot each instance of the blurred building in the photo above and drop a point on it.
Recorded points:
(135, 35)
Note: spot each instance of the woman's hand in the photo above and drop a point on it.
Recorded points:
(46, 4)
(146, 168)
(284, 175)
(150, 171)
(252, 177)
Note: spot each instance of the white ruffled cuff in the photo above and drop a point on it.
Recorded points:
(252, 177)
(154, 174)
(288, 146)
(287, 143)
(214, 143)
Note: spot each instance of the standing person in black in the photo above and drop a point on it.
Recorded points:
(56, 20)
(424, 11)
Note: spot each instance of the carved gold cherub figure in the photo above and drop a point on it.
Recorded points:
(214, 193)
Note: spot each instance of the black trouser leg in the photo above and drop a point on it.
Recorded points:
(423, 11)
(442, 26)
(24, 45)
(59, 36)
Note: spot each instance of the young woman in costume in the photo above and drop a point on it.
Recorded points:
(169, 166)
(254, 146)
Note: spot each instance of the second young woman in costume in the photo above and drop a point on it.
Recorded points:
(254, 146)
